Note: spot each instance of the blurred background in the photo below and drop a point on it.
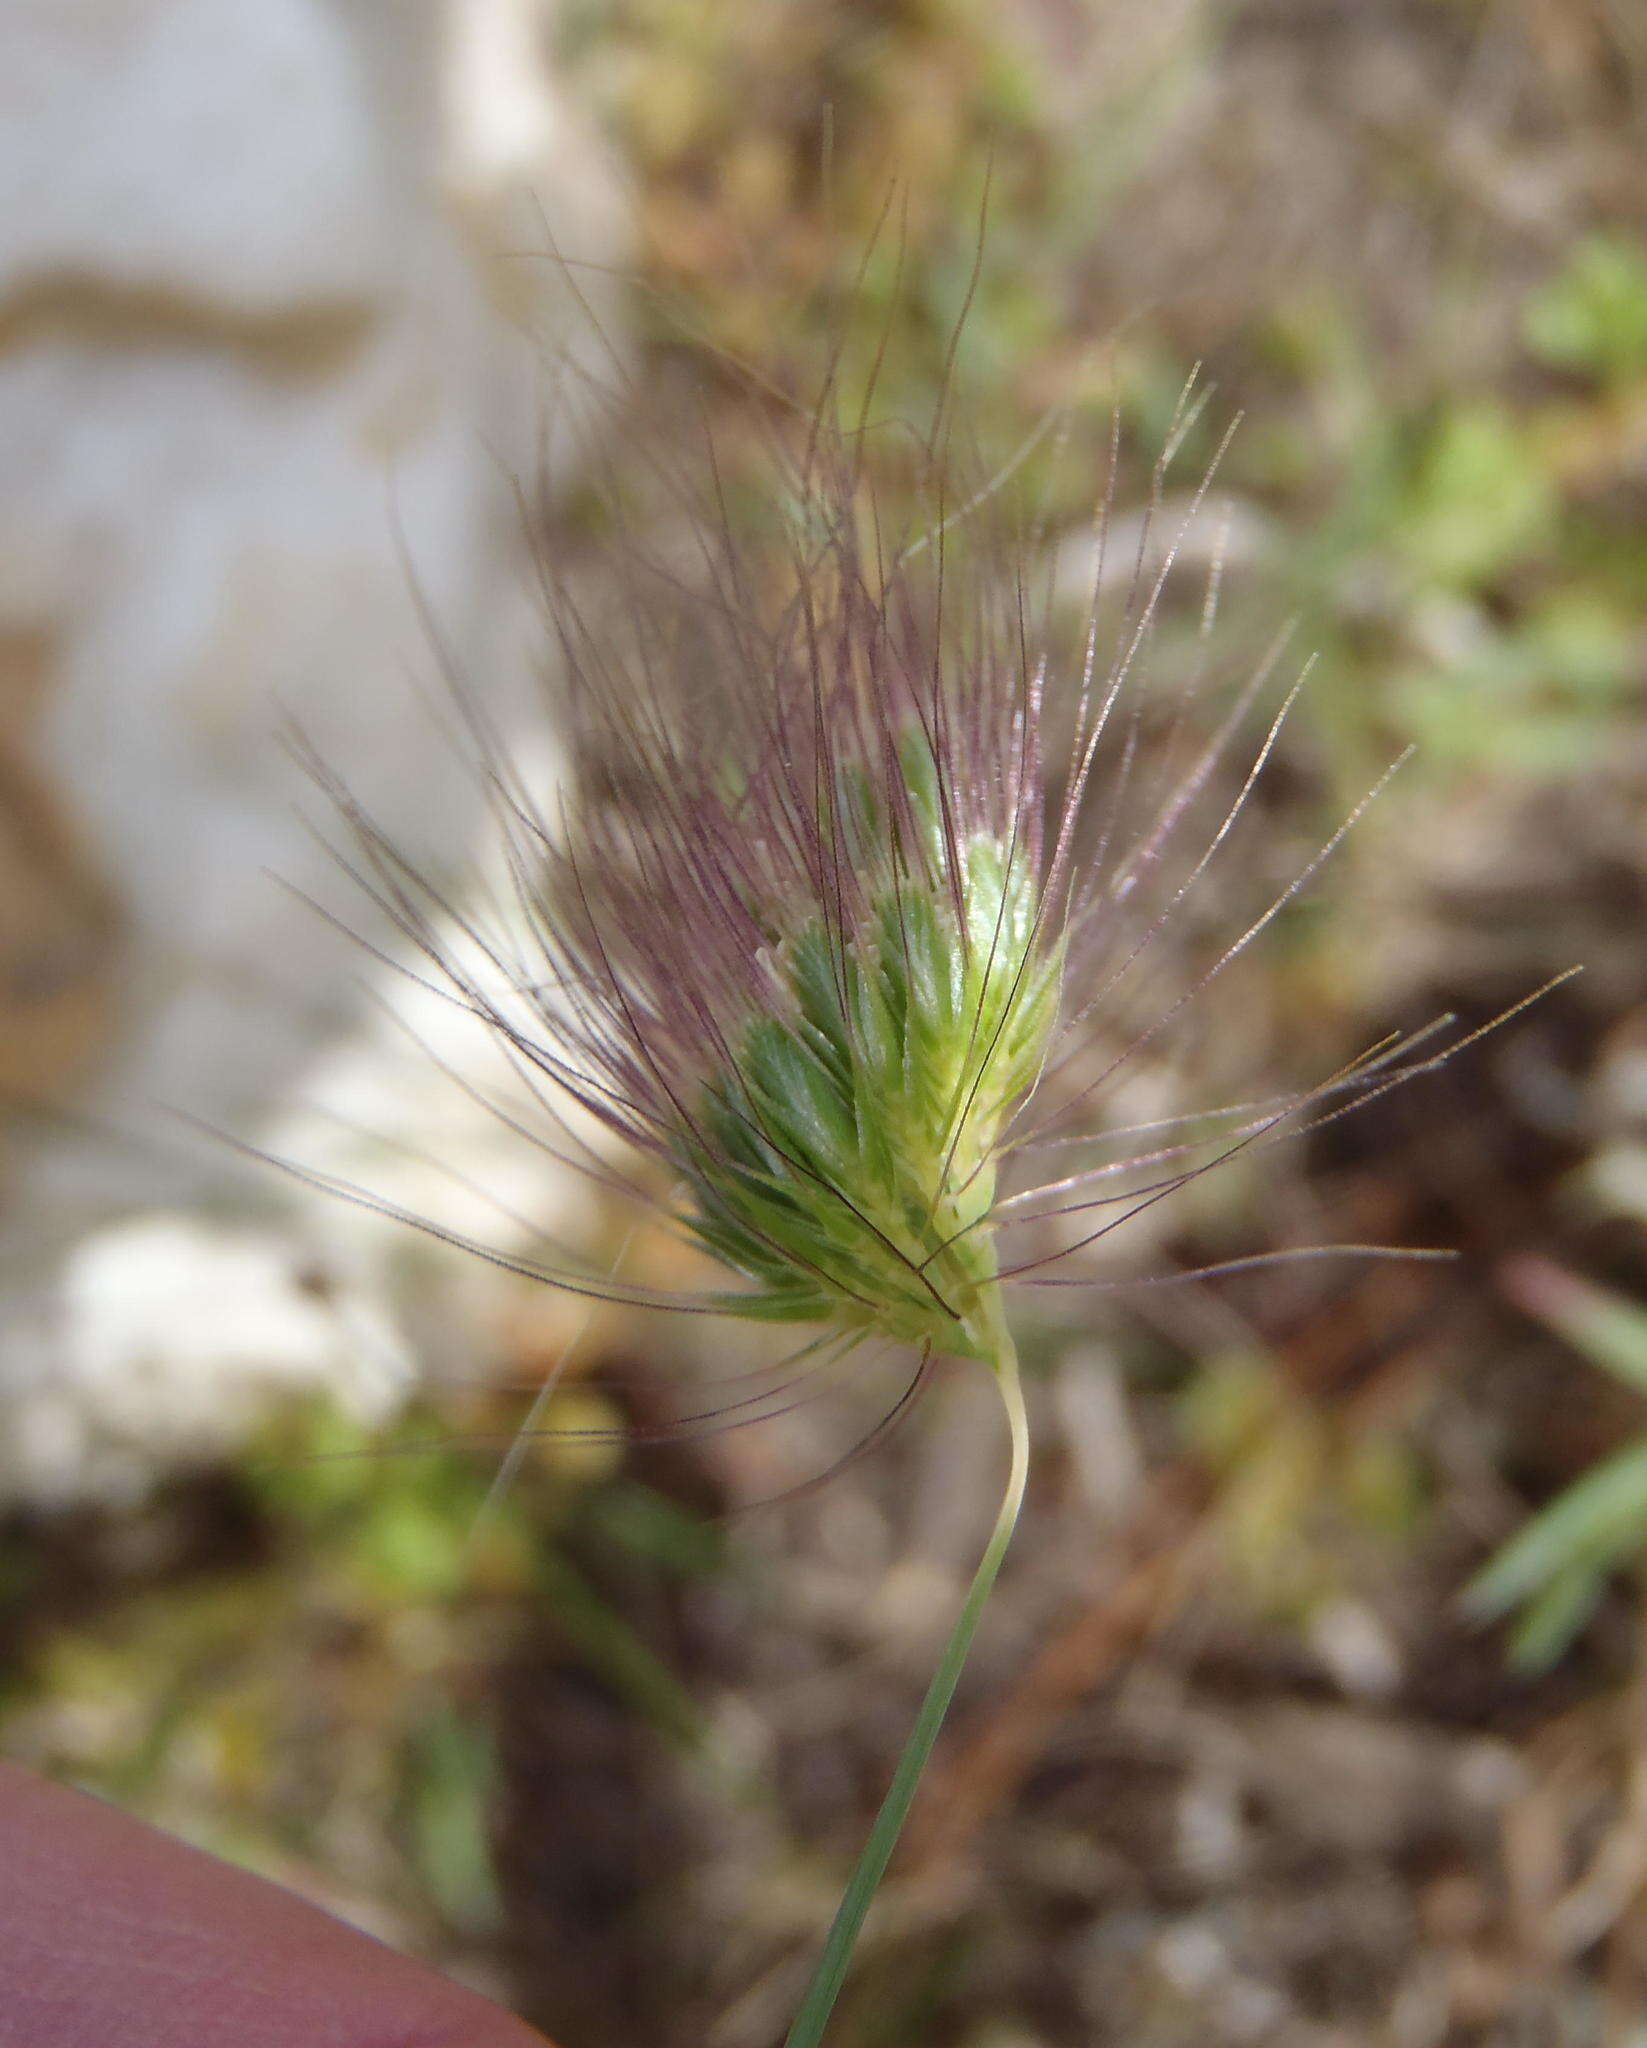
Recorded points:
(1313, 1710)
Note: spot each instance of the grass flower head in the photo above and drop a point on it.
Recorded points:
(815, 968)
(822, 923)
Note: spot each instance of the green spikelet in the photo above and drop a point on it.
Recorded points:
(843, 1160)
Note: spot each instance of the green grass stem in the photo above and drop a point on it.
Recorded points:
(830, 1974)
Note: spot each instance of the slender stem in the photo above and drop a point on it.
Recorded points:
(830, 1974)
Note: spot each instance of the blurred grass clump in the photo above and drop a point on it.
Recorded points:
(305, 1688)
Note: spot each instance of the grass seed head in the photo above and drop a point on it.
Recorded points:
(818, 934)
(814, 964)
(824, 927)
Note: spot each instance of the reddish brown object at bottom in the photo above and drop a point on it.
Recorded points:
(115, 1936)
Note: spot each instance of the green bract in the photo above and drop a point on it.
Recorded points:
(846, 1156)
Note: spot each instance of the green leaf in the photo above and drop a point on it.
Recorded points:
(1594, 1525)
(652, 1527)
(1555, 1617)
(1609, 1330)
(1593, 317)
(451, 1785)
(1480, 501)
(412, 1548)
(618, 1654)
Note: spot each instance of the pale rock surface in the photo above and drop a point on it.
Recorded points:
(174, 1337)
(267, 337)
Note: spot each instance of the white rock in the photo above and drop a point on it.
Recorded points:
(216, 151)
(173, 1338)
(253, 362)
